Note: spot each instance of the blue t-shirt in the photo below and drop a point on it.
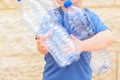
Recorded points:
(79, 70)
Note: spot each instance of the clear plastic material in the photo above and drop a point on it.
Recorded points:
(78, 22)
(44, 20)
(80, 25)
(59, 43)
(101, 61)
(33, 11)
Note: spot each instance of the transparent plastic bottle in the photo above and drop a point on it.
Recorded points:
(59, 42)
(101, 61)
(76, 18)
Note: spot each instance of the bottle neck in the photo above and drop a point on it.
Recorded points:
(66, 9)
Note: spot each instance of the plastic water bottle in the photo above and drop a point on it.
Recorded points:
(101, 61)
(59, 43)
(77, 21)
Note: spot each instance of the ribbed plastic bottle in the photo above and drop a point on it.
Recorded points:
(59, 42)
(78, 20)
(75, 20)
(101, 62)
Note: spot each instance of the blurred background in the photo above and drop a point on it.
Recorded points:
(19, 58)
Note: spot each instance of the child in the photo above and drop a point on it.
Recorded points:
(79, 70)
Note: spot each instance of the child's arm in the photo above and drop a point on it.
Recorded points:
(100, 41)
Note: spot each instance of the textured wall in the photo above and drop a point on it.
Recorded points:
(19, 59)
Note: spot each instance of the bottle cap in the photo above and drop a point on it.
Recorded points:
(19, 0)
(67, 4)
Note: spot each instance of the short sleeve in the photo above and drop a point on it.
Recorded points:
(98, 24)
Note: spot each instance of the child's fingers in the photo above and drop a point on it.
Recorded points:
(42, 49)
(37, 37)
(73, 38)
(40, 39)
(46, 37)
(40, 46)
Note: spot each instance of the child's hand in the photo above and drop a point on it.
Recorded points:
(40, 46)
(77, 42)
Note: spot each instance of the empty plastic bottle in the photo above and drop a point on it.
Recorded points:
(77, 21)
(101, 61)
(59, 43)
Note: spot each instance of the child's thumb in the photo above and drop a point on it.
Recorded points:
(73, 37)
